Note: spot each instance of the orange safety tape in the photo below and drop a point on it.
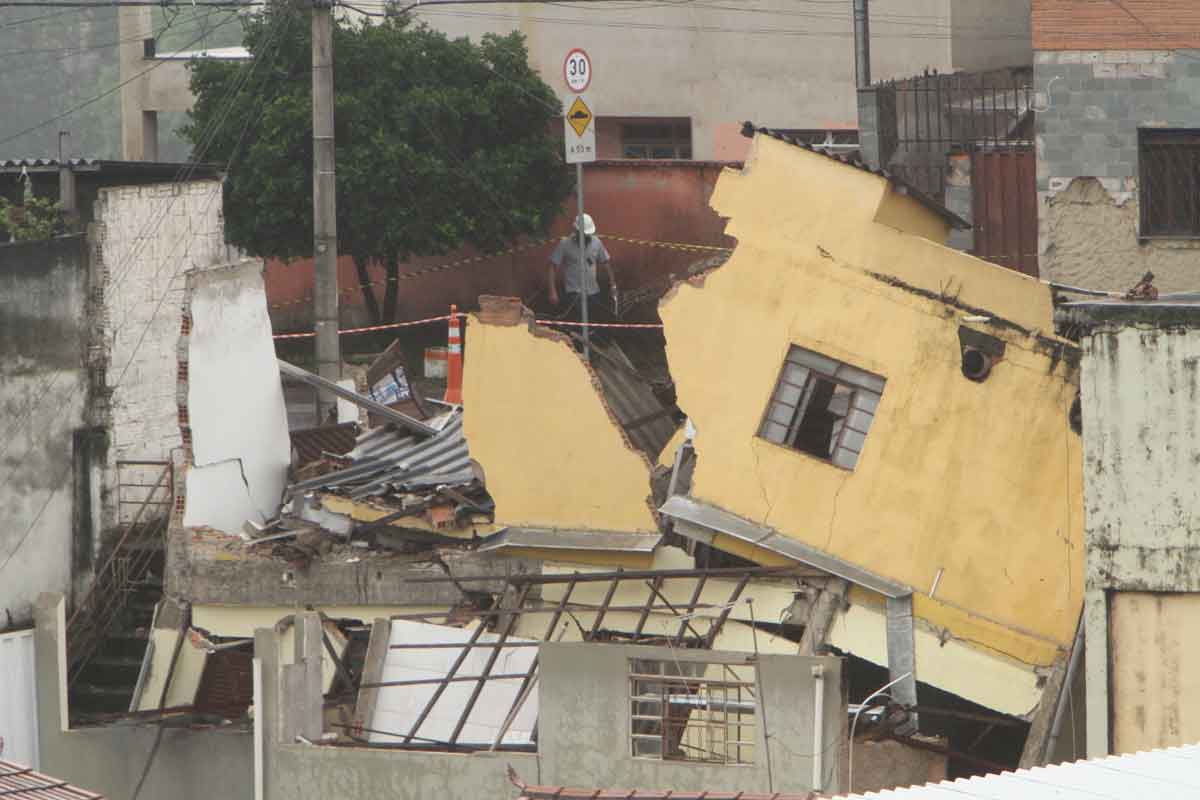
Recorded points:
(443, 318)
(370, 328)
(405, 276)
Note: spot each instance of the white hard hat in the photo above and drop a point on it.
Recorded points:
(589, 227)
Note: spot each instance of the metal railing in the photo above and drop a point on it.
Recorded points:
(930, 115)
(123, 572)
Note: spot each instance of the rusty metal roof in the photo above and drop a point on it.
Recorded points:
(18, 782)
(749, 129)
(310, 444)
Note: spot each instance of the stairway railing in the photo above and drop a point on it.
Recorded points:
(123, 572)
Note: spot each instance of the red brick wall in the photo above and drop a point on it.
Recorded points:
(648, 200)
(1111, 25)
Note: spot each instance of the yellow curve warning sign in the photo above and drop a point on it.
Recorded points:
(579, 116)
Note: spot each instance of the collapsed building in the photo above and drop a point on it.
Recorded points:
(851, 568)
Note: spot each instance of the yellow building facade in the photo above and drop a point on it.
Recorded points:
(966, 491)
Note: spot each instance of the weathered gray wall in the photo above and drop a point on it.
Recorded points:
(1140, 388)
(1092, 104)
(584, 726)
(300, 772)
(206, 571)
(43, 391)
(189, 765)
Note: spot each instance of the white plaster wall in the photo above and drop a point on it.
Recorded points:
(240, 445)
(1141, 447)
(1140, 394)
(146, 239)
(43, 392)
(1001, 684)
(18, 699)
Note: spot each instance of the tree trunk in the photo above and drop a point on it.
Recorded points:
(391, 290)
(364, 284)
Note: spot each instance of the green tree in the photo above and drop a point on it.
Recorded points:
(37, 218)
(440, 142)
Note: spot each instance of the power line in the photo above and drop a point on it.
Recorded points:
(65, 403)
(97, 98)
(633, 25)
(27, 20)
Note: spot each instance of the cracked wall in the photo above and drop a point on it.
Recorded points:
(552, 452)
(234, 420)
(974, 487)
(1091, 105)
(1088, 235)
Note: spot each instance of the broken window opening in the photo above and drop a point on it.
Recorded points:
(822, 407)
(693, 711)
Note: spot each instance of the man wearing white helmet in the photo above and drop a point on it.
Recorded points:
(579, 274)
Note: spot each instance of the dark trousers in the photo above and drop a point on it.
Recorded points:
(600, 308)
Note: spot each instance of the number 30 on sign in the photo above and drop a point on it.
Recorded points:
(577, 71)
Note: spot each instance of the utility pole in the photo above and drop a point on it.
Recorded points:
(325, 252)
(862, 44)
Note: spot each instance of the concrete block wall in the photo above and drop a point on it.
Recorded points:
(1090, 105)
(1094, 102)
(145, 239)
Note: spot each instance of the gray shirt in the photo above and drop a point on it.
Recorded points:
(577, 277)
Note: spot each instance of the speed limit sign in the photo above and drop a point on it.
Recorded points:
(577, 70)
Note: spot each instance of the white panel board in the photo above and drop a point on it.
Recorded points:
(398, 707)
(235, 399)
(18, 699)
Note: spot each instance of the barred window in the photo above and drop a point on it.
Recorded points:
(822, 407)
(692, 711)
(657, 139)
(1169, 182)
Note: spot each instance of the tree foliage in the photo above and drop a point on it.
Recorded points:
(38, 218)
(439, 142)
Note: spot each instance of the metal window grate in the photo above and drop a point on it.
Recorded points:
(707, 715)
(822, 407)
(656, 140)
(1169, 168)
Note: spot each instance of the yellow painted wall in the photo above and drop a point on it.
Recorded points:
(979, 480)
(551, 454)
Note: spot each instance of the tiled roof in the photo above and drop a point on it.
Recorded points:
(18, 782)
(902, 186)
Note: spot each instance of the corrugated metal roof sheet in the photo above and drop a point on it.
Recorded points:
(310, 443)
(22, 783)
(749, 129)
(102, 164)
(385, 460)
(646, 421)
(16, 163)
(1171, 772)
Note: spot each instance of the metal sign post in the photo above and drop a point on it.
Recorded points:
(579, 134)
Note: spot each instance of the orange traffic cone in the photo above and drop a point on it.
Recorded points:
(454, 360)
